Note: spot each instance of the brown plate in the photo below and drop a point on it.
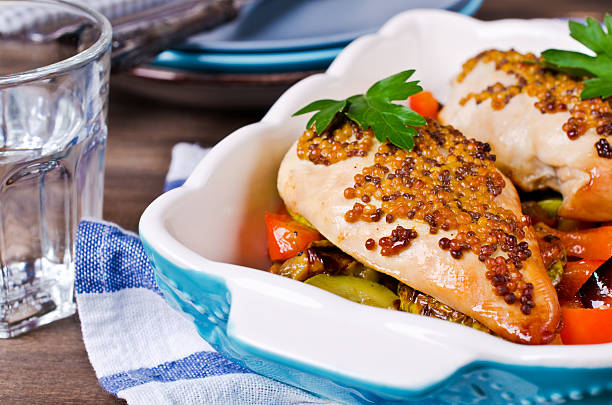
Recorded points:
(210, 90)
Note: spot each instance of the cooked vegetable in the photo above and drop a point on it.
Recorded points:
(593, 244)
(551, 248)
(553, 254)
(555, 272)
(323, 257)
(572, 225)
(597, 290)
(416, 302)
(317, 257)
(578, 64)
(575, 302)
(296, 268)
(590, 244)
(586, 326)
(357, 269)
(575, 275)
(299, 218)
(537, 213)
(287, 237)
(551, 206)
(356, 289)
(425, 104)
(375, 109)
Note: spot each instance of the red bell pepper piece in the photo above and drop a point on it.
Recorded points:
(586, 326)
(287, 237)
(590, 244)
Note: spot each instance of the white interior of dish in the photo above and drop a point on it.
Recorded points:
(218, 216)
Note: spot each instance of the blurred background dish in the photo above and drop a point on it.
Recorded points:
(289, 25)
(269, 62)
(272, 44)
(215, 90)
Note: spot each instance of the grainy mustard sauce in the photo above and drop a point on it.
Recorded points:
(446, 181)
(555, 92)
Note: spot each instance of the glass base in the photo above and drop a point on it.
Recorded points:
(48, 313)
(37, 300)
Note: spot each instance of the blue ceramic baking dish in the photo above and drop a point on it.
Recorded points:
(207, 243)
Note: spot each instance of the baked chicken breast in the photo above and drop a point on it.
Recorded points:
(543, 134)
(440, 218)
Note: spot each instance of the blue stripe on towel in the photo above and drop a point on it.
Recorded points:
(197, 365)
(108, 259)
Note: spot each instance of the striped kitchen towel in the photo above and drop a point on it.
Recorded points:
(140, 348)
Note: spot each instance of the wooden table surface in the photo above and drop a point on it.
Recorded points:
(50, 365)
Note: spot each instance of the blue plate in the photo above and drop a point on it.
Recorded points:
(290, 25)
(291, 35)
(314, 59)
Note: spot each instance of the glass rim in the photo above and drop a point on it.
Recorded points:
(75, 61)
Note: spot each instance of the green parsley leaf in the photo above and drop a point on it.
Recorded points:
(597, 88)
(375, 109)
(573, 63)
(592, 35)
(394, 87)
(577, 64)
(327, 111)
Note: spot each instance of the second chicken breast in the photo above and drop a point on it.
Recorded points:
(543, 134)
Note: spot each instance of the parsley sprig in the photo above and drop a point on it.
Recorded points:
(598, 68)
(375, 110)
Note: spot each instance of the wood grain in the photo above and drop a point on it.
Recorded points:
(141, 136)
(50, 365)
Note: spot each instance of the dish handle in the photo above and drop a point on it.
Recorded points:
(282, 329)
(296, 328)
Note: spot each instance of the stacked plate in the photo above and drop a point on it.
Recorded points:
(272, 44)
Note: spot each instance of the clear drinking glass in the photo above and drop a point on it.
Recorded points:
(54, 70)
